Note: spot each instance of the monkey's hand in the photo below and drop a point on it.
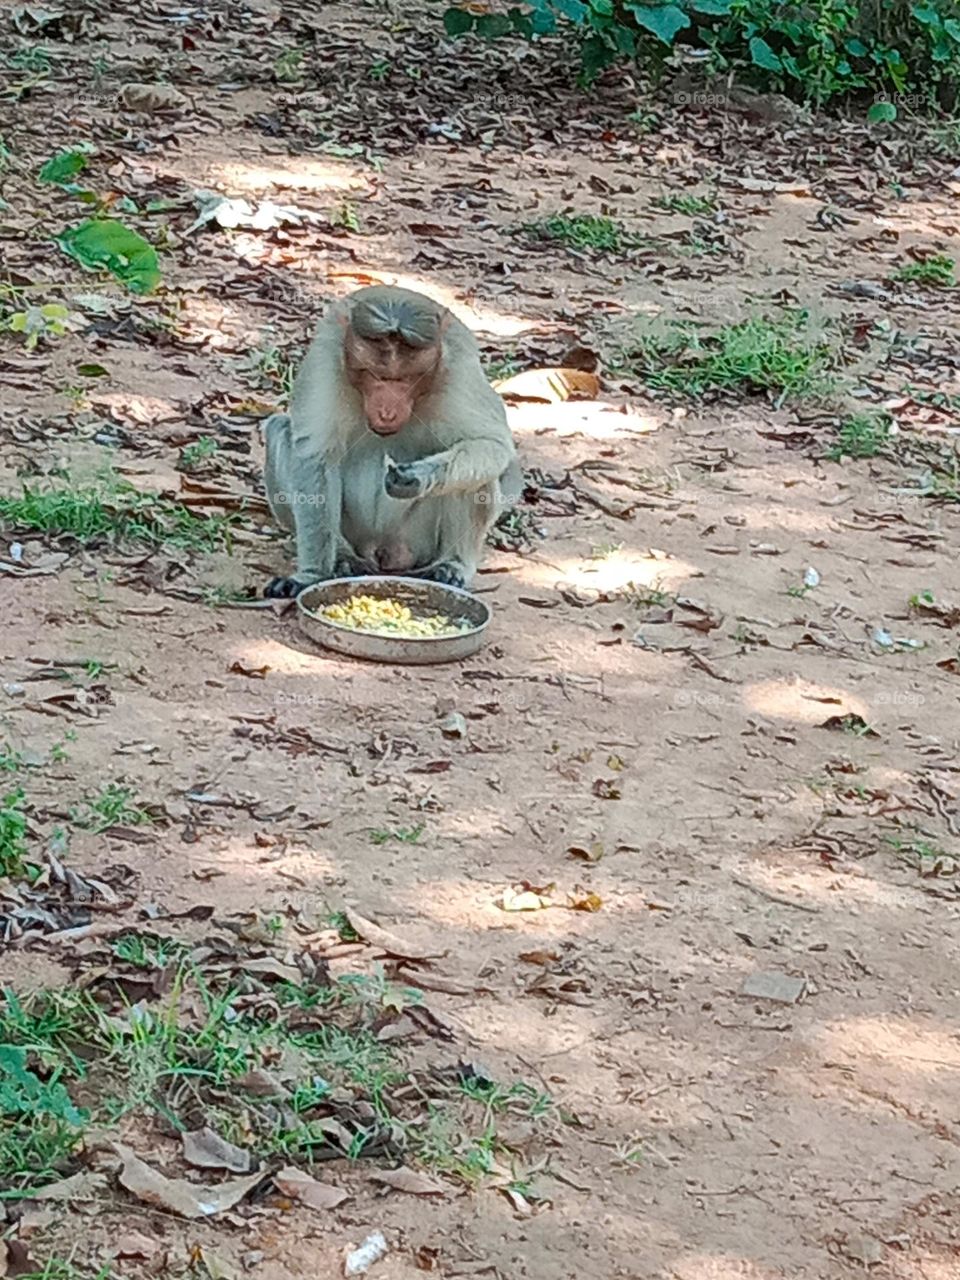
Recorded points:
(450, 572)
(408, 479)
(351, 566)
(284, 588)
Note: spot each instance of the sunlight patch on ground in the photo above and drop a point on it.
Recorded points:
(306, 174)
(593, 418)
(814, 887)
(284, 659)
(915, 1049)
(799, 701)
(612, 574)
(705, 1266)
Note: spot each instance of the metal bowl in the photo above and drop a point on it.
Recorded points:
(421, 596)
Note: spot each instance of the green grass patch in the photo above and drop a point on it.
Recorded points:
(865, 435)
(692, 206)
(113, 805)
(114, 511)
(284, 1068)
(403, 835)
(193, 455)
(936, 270)
(587, 233)
(784, 358)
(13, 834)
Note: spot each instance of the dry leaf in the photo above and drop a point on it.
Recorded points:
(15, 1259)
(606, 789)
(408, 1180)
(134, 1245)
(543, 958)
(152, 97)
(550, 385)
(268, 967)
(300, 1186)
(587, 853)
(583, 900)
(177, 1195)
(385, 941)
(253, 673)
(80, 1186)
(521, 1204)
(205, 1149)
(522, 897)
(262, 1084)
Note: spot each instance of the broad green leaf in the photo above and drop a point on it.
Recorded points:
(604, 7)
(952, 28)
(926, 14)
(595, 55)
(457, 21)
(522, 22)
(763, 55)
(544, 22)
(857, 49)
(92, 371)
(664, 20)
(64, 165)
(624, 39)
(104, 243)
(492, 25)
(881, 111)
(575, 10)
(711, 6)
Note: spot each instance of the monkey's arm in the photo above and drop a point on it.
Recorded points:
(465, 468)
(305, 494)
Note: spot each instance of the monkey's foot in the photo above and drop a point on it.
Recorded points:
(405, 480)
(449, 572)
(353, 567)
(283, 588)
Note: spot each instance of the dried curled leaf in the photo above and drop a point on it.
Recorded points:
(205, 1149)
(178, 1195)
(152, 97)
(309, 1191)
(409, 1181)
(385, 941)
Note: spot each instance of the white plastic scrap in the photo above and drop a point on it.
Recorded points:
(231, 212)
(362, 1259)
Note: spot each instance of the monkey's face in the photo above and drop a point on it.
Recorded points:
(391, 377)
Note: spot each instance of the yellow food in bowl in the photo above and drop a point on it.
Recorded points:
(390, 618)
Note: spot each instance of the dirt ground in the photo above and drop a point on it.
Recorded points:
(652, 694)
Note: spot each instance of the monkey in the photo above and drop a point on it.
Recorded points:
(395, 456)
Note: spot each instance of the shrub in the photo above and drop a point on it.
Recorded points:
(816, 51)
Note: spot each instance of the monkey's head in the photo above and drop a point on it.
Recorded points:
(392, 352)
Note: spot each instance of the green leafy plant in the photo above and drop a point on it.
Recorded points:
(817, 51)
(288, 68)
(36, 323)
(863, 436)
(111, 806)
(936, 269)
(66, 164)
(39, 1125)
(192, 455)
(107, 244)
(13, 834)
(681, 202)
(405, 835)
